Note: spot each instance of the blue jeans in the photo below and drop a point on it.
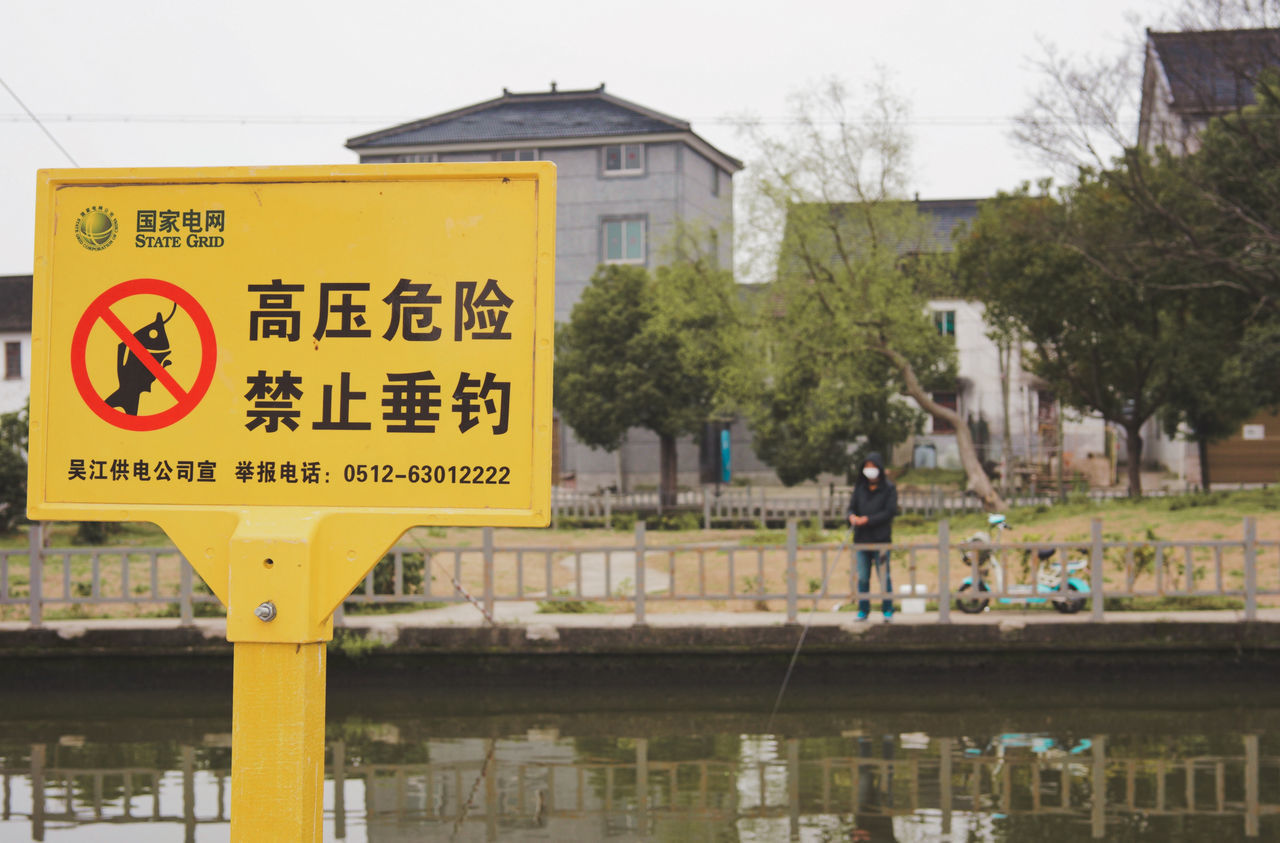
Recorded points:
(880, 560)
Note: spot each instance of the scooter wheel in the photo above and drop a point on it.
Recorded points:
(970, 606)
(1069, 606)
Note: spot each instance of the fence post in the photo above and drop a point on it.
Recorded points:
(487, 545)
(706, 509)
(1095, 571)
(1250, 568)
(944, 571)
(35, 573)
(641, 592)
(792, 591)
(608, 512)
(185, 612)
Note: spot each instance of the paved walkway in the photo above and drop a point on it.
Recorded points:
(526, 614)
(614, 574)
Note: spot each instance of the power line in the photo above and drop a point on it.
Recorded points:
(33, 116)
(254, 119)
(260, 119)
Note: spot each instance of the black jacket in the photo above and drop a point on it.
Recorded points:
(880, 505)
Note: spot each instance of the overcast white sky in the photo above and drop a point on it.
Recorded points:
(134, 83)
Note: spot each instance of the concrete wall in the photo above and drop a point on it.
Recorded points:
(706, 204)
(636, 466)
(587, 198)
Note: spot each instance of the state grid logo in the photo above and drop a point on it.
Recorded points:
(96, 228)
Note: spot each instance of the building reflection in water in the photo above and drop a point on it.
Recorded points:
(859, 785)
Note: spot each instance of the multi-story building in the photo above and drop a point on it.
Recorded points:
(1189, 78)
(635, 186)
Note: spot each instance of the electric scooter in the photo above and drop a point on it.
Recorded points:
(1049, 581)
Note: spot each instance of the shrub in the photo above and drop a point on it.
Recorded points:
(95, 532)
(678, 521)
(570, 607)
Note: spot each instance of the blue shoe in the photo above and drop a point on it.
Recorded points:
(862, 616)
(888, 617)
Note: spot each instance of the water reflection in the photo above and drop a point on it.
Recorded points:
(829, 774)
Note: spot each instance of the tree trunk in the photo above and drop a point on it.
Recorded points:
(977, 480)
(1133, 445)
(668, 467)
(1202, 445)
(1062, 456)
(1005, 356)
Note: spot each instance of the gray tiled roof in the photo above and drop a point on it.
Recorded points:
(946, 215)
(941, 218)
(15, 302)
(1215, 71)
(529, 117)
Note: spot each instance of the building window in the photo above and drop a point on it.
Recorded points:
(624, 159)
(515, 155)
(715, 180)
(945, 322)
(948, 400)
(414, 158)
(624, 241)
(13, 361)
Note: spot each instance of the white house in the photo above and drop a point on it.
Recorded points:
(15, 335)
(1032, 410)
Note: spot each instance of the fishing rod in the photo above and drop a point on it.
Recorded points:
(805, 630)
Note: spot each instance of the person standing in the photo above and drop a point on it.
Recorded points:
(872, 507)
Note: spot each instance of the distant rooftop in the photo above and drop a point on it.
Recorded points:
(15, 302)
(1215, 70)
(946, 215)
(941, 216)
(532, 117)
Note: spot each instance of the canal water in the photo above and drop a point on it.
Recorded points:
(854, 756)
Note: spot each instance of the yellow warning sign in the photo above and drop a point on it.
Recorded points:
(365, 338)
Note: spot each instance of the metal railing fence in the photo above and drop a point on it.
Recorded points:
(738, 505)
(42, 583)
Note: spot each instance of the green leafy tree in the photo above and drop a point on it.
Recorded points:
(810, 414)
(13, 468)
(852, 272)
(1208, 209)
(649, 352)
(1090, 299)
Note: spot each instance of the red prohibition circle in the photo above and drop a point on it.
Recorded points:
(185, 399)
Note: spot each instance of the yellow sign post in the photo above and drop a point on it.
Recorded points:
(286, 368)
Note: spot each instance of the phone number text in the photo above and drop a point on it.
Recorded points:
(477, 475)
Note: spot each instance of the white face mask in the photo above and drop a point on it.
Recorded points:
(871, 473)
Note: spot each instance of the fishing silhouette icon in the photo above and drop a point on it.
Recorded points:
(132, 374)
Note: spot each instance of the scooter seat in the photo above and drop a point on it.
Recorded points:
(1046, 553)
